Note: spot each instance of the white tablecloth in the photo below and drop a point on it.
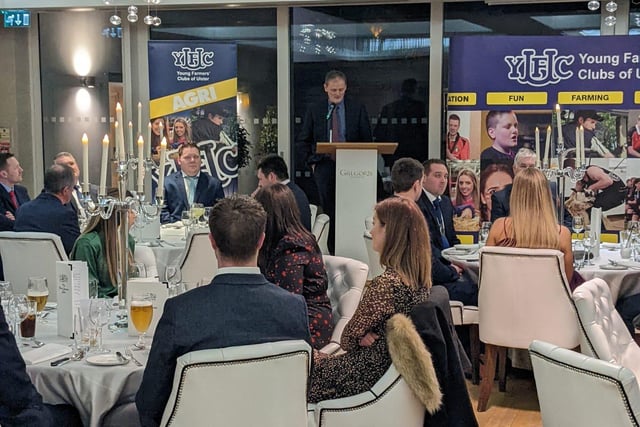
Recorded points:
(168, 250)
(93, 390)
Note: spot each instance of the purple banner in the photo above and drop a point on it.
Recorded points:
(494, 72)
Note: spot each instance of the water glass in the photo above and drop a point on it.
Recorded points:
(588, 241)
(18, 311)
(186, 221)
(99, 314)
(483, 234)
(6, 290)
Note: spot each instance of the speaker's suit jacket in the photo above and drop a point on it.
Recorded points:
(208, 192)
(22, 196)
(47, 214)
(234, 310)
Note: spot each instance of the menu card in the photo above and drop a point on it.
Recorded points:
(159, 295)
(72, 285)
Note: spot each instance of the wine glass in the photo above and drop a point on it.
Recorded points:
(588, 241)
(207, 214)
(186, 221)
(141, 313)
(99, 314)
(173, 277)
(18, 311)
(138, 269)
(38, 291)
(577, 225)
(6, 290)
(197, 211)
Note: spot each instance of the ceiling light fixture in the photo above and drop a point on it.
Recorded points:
(132, 14)
(611, 7)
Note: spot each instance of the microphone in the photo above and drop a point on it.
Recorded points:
(331, 108)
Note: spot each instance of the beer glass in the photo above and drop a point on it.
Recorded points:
(141, 313)
(38, 291)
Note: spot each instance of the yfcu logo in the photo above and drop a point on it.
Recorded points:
(539, 69)
(192, 59)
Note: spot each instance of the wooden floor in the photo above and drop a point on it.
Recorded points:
(517, 407)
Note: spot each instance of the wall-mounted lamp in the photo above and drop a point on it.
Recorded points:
(88, 81)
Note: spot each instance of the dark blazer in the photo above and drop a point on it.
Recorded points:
(500, 203)
(208, 192)
(434, 229)
(303, 204)
(314, 128)
(22, 195)
(47, 214)
(234, 310)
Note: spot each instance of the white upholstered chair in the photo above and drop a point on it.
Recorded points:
(347, 278)
(314, 212)
(198, 261)
(605, 337)
(389, 403)
(375, 269)
(252, 385)
(468, 316)
(578, 390)
(320, 229)
(26, 254)
(524, 296)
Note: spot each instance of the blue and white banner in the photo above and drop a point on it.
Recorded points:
(495, 72)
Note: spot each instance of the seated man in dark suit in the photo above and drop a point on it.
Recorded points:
(239, 307)
(20, 402)
(51, 211)
(273, 170)
(189, 185)
(438, 211)
(12, 195)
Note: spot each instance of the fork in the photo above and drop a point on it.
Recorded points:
(129, 354)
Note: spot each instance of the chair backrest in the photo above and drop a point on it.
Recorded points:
(578, 390)
(198, 261)
(388, 403)
(28, 254)
(320, 229)
(347, 278)
(605, 337)
(375, 269)
(261, 384)
(314, 212)
(524, 295)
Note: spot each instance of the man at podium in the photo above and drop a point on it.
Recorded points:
(338, 119)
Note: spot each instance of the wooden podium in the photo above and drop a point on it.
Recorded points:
(356, 181)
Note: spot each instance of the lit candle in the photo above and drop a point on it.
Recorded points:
(537, 147)
(105, 165)
(163, 150)
(140, 164)
(140, 118)
(122, 155)
(559, 125)
(547, 147)
(130, 141)
(149, 141)
(577, 145)
(85, 163)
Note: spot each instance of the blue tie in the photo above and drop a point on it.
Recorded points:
(440, 220)
(192, 181)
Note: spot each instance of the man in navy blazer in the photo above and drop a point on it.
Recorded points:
(273, 170)
(51, 211)
(351, 124)
(460, 286)
(189, 185)
(10, 176)
(239, 306)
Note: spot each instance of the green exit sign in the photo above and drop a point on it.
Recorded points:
(16, 18)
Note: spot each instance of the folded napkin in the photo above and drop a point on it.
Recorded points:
(627, 263)
(177, 224)
(46, 352)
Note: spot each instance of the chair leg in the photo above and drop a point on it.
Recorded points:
(474, 344)
(488, 375)
(502, 369)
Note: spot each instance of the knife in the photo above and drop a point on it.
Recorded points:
(136, 361)
(60, 362)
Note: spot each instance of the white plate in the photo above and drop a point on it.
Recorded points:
(463, 247)
(106, 359)
(613, 267)
(608, 245)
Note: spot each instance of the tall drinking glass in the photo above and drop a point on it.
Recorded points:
(18, 311)
(588, 241)
(483, 234)
(28, 323)
(38, 291)
(197, 211)
(141, 313)
(186, 221)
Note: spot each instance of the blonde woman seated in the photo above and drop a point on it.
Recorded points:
(532, 221)
(401, 237)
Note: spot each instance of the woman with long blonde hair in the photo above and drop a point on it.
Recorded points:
(532, 222)
(401, 237)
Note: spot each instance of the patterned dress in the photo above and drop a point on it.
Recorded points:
(296, 265)
(361, 367)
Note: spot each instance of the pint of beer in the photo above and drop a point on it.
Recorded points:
(38, 291)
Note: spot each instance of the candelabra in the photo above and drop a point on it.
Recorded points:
(106, 206)
(561, 173)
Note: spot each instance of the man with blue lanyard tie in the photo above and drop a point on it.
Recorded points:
(336, 119)
(189, 185)
(438, 212)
